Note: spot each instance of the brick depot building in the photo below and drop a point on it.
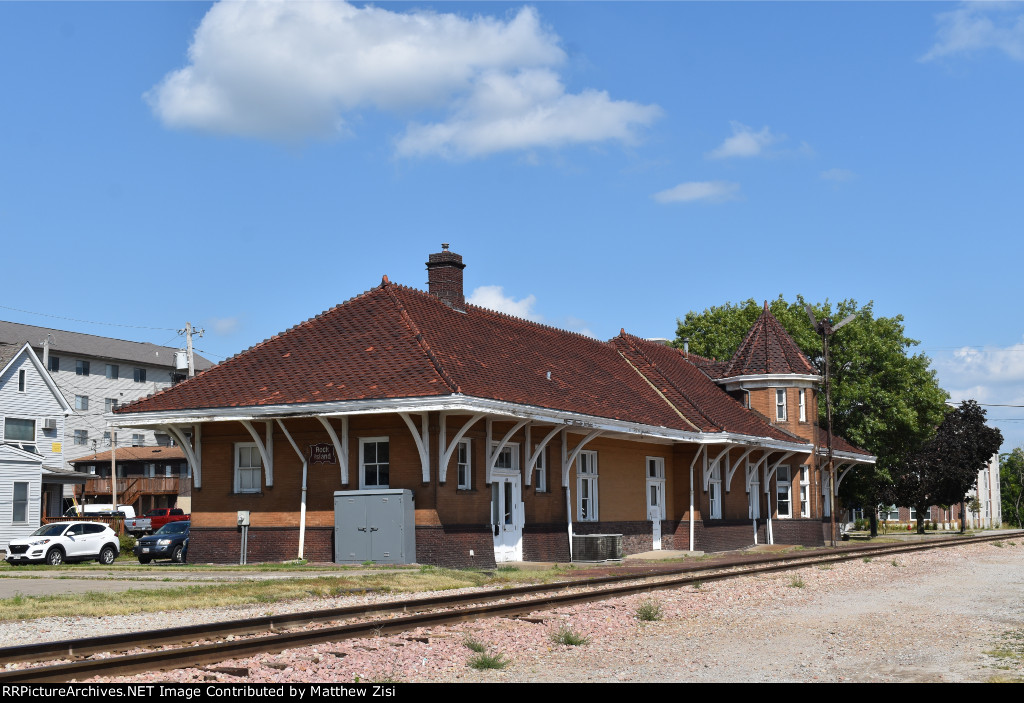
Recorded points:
(511, 435)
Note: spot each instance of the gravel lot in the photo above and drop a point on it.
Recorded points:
(928, 617)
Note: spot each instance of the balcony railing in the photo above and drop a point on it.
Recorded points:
(140, 485)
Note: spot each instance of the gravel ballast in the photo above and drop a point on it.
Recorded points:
(930, 616)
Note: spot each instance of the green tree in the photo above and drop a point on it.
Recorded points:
(885, 398)
(1011, 486)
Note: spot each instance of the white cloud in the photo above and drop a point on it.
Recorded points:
(295, 70)
(837, 174)
(494, 298)
(710, 191)
(977, 26)
(745, 142)
(224, 325)
(992, 375)
(523, 111)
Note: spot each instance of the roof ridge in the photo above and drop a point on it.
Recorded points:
(407, 319)
(505, 314)
(672, 383)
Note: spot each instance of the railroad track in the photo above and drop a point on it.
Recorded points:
(277, 633)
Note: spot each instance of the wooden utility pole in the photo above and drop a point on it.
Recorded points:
(188, 332)
(113, 469)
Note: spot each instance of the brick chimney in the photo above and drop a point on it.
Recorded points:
(444, 277)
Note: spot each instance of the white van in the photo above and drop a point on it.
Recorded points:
(99, 509)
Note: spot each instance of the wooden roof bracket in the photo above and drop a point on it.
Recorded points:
(266, 449)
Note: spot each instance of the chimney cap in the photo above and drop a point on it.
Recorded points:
(444, 246)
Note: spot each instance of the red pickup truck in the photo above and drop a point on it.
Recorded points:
(154, 520)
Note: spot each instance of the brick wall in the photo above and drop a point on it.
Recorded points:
(224, 545)
(637, 536)
(449, 545)
(548, 542)
(808, 533)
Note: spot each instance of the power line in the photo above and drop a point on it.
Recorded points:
(88, 322)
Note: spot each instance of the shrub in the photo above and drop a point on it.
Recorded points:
(649, 611)
(566, 635)
(797, 581)
(127, 542)
(489, 661)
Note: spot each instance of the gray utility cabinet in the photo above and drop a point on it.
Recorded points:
(377, 525)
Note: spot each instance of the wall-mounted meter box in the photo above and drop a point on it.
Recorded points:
(243, 518)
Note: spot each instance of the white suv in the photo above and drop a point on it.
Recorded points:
(66, 541)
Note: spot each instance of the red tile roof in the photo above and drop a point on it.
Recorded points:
(767, 349)
(397, 342)
(838, 444)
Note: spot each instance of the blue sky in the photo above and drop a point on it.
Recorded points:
(599, 165)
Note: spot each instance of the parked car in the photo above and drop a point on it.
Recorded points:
(153, 520)
(61, 542)
(169, 542)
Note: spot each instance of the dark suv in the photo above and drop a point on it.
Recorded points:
(169, 542)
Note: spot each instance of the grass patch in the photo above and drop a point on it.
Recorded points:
(507, 569)
(566, 635)
(896, 563)
(867, 560)
(825, 567)
(475, 645)
(697, 585)
(483, 660)
(796, 582)
(649, 611)
(998, 544)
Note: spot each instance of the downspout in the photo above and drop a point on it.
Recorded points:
(302, 506)
(567, 484)
(768, 501)
(702, 449)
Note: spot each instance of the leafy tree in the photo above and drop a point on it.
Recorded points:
(1011, 486)
(947, 466)
(885, 398)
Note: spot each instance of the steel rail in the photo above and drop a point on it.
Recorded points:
(215, 652)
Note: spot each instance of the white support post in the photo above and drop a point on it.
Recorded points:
(769, 474)
(302, 504)
(266, 450)
(533, 456)
(702, 450)
(193, 455)
(340, 446)
(446, 449)
(422, 440)
(493, 457)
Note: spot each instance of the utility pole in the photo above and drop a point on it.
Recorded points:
(188, 332)
(113, 469)
(825, 328)
(46, 351)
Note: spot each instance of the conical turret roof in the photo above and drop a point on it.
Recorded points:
(768, 349)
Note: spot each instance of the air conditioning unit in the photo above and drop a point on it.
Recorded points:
(596, 547)
(50, 423)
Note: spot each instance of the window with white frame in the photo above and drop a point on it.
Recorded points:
(20, 504)
(248, 465)
(374, 462)
(783, 492)
(508, 457)
(81, 436)
(106, 439)
(149, 470)
(803, 405)
(20, 432)
(465, 462)
(540, 472)
(81, 402)
(805, 491)
(715, 491)
(586, 481)
(138, 440)
(21, 380)
(780, 404)
(109, 404)
(112, 371)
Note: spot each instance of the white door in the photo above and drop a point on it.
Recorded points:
(507, 517)
(656, 508)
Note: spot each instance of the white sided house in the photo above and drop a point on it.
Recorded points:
(32, 421)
